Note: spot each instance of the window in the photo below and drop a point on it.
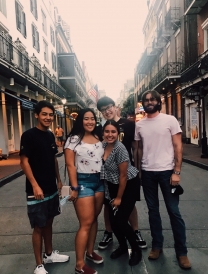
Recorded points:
(53, 58)
(3, 7)
(44, 27)
(168, 54)
(20, 19)
(177, 48)
(45, 49)
(161, 62)
(33, 8)
(52, 36)
(35, 38)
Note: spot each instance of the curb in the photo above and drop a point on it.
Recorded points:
(17, 174)
(194, 163)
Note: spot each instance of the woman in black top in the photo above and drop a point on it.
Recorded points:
(120, 177)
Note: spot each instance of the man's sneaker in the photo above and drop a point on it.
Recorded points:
(55, 257)
(141, 242)
(95, 258)
(40, 269)
(107, 239)
(85, 270)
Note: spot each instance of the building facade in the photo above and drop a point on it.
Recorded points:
(175, 41)
(37, 62)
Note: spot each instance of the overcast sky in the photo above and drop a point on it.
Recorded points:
(107, 36)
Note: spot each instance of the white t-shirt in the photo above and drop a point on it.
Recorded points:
(88, 157)
(156, 135)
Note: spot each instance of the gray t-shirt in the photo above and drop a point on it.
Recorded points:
(156, 135)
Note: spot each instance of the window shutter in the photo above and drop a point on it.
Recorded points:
(24, 24)
(17, 16)
(37, 41)
(31, 6)
(33, 35)
(36, 10)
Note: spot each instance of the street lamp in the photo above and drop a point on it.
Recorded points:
(64, 102)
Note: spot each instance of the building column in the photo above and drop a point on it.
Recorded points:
(17, 126)
(3, 126)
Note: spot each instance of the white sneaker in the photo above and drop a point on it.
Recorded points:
(55, 257)
(40, 269)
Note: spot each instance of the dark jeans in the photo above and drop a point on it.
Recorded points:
(150, 182)
(119, 221)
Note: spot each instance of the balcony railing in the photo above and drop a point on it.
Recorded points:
(194, 6)
(10, 54)
(170, 69)
(192, 73)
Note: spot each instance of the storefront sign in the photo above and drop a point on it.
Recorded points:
(59, 110)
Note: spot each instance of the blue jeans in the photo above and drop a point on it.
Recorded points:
(150, 182)
(89, 184)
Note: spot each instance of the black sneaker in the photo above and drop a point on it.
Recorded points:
(141, 242)
(107, 239)
(135, 257)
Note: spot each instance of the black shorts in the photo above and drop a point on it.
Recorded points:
(137, 191)
(40, 211)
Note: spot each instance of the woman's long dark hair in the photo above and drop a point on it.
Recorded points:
(78, 128)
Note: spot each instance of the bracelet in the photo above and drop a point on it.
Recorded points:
(75, 188)
(176, 172)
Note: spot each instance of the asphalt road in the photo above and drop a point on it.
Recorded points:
(16, 254)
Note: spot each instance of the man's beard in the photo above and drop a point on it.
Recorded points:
(152, 110)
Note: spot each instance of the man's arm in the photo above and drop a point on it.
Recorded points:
(37, 191)
(59, 183)
(139, 156)
(134, 147)
(178, 149)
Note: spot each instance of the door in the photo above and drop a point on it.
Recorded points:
(194, 124)
(10, 129)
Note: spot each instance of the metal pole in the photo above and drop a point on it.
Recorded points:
(204, 135)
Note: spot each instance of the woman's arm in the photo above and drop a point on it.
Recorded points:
(122, 183)
(72, 171)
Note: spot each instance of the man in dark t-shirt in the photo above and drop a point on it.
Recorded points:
(38, 161)
(127, 130)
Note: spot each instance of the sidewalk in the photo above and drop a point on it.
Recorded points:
(10, 168)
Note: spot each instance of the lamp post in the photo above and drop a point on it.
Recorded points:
(65, 124)
(204, 134)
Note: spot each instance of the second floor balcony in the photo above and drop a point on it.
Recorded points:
(15, 63)
(147, 59)
(194, 6)
(168, 71)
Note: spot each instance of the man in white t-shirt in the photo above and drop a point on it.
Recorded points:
(160, 159)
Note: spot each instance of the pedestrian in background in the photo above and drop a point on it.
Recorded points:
(59, 133)
(121, 179)
(160, 154)
(39, 163)
(83, 155)
(127, 129)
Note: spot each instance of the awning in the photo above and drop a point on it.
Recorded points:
(24, 103)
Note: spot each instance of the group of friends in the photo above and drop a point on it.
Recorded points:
(106, 168)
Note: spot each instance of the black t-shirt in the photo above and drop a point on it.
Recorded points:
(126, 136)
(40, 148)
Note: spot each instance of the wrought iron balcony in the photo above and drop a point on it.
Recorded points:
(193, 72)
(146, 60)
(194, 6)
(171, 24)
(169, 70)
(13, 63)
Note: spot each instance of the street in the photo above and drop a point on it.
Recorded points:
(16, 254)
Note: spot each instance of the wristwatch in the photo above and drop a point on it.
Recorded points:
(176, 172)
(75, 188)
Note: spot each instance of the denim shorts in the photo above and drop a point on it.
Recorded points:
(89, 184)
